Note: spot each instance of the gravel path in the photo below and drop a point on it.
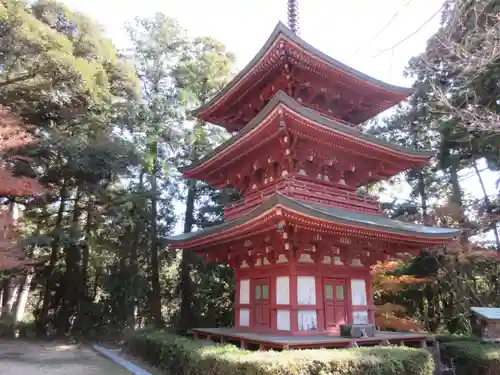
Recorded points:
(37, 358)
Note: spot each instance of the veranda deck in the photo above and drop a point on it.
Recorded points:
(271, 341)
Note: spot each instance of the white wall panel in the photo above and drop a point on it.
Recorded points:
(358, 292)
(306, 290)
(283, 290)
(283, 320)
(244, 317)
(245, 291)
(307, 320)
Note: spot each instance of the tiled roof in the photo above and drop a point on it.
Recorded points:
(376, 222)
(314, 116)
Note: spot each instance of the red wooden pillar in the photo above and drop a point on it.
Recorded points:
(348, 300)
(320, 303)
(251, 311)
(273, 310)
(369, 300)
(294, 325)
(237, 299)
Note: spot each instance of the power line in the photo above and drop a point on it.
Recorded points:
(394, 16)
(410, 35)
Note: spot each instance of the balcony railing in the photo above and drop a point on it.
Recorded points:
(307, 191)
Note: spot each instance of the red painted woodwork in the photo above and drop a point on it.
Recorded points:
(306, 76)
(335, 303)
(260, 275)
(304, 157)
(270, 152)
(304, 188)
(261, 304)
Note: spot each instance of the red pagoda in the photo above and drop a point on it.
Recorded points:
(301, 240)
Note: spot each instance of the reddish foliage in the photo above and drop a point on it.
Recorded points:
(386, 319)
(13, 134)
(388, 316)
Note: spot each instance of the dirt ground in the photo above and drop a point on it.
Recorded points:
(37, 358)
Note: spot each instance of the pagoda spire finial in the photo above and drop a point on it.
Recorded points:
(293, 16)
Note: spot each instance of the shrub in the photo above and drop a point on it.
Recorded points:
(456, 338)
(183, 356)
(473, 357)
(9, 328)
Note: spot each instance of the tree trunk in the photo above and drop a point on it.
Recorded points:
(456, 192)
(421, 180)
(23, 296)
(95, 286)
(11, 288)
(456, 196)
(41, 325)
(155, 295)
(83, 295)
(423, 198)
(487, 203)
(133, 263)
(187, 318)
(71, 278)
(86, 251)
(12, 299)
(6, 292)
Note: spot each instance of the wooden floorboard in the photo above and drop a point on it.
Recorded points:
(284, 341)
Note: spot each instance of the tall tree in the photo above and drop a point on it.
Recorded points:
(158, 44)
(55, 63)
(202, 71)
(61, 73)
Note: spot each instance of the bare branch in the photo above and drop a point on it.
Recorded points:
(467, 48)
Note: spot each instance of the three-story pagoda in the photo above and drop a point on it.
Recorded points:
(301, 240)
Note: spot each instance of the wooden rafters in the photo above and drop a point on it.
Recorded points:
(309, 128)
(325, 93)
(288, 153)
(292, 235)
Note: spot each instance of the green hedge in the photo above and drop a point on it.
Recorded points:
(182, 356)
(473, 357)
(457, 338)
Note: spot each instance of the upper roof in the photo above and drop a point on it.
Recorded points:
(488, 313)
(287, 103)
(255, 69)
(344, 218)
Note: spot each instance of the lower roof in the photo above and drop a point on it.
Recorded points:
(334, 215)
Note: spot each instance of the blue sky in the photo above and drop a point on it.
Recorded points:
(349, 31)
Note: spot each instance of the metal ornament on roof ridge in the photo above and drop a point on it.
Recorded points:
(293, 16)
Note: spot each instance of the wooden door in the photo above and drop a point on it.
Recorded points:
(261, 303)
(334, 292)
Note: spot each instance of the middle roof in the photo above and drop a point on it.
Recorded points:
(296, 115)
